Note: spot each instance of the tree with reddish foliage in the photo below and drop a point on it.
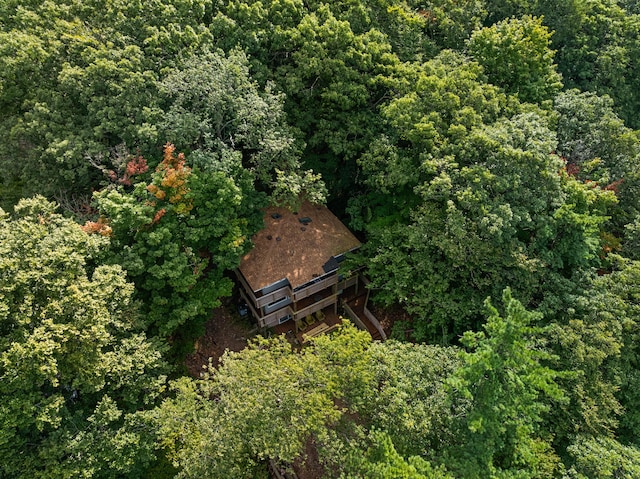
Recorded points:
(135, 166)
(599, 147)
(124, 165)
(177, 235)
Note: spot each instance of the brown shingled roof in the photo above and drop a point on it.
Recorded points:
(286, 248)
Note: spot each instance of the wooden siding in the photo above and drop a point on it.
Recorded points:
(271, 319)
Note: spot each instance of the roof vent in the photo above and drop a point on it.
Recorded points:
(276, 216)
(269, 237)
(305, 221)
(331, 265)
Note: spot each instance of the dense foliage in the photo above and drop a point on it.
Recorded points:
(485, 150)
(75, 364)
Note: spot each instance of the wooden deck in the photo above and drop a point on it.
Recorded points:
(320, 317)
(310, 326)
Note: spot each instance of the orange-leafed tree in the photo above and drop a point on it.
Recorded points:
(170, 181)
(176, 236)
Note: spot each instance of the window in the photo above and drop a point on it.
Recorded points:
(281, 303)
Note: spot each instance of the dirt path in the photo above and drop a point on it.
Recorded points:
(225, 330)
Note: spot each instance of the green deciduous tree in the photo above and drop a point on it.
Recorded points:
(596, 41)
(98, 67)
(474, 202)
(449, 23)
(74, 362)
(594, 340)
(631, 248)
(601, 457)
(498, 10)
(516, 56)
(334, 80)
(270, 401)
(404, 26)
(447, 100)
(333, 65)
(587, 339)
(411, 401)
(216, 109)
(177, 235)
(381, 461)
(617, 299)
(599, 147)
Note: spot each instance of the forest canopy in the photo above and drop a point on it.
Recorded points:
(486, 152)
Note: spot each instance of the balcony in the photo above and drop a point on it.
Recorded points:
(314, 287)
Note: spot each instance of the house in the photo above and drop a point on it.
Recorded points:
(292, 271)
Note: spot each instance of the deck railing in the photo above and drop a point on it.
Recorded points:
(315, 287)
(323, 303)
(286, 291)
(353, 316)
(348, 282)
(274, 296)
(374, 321)
(256, 304)
(368, 316)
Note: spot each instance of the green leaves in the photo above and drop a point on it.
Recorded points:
(596, 42)
(411, 404)
(270, 402)
(382, 461)
(69, 340)
(97, 85)
(509, 387)
(603, 457)
(178, 235)
(464, 188)
(467, 174)
(334, 66)
(600, 148)
(516, 55)
(216, 110)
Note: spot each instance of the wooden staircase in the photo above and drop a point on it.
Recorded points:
(356, 310)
